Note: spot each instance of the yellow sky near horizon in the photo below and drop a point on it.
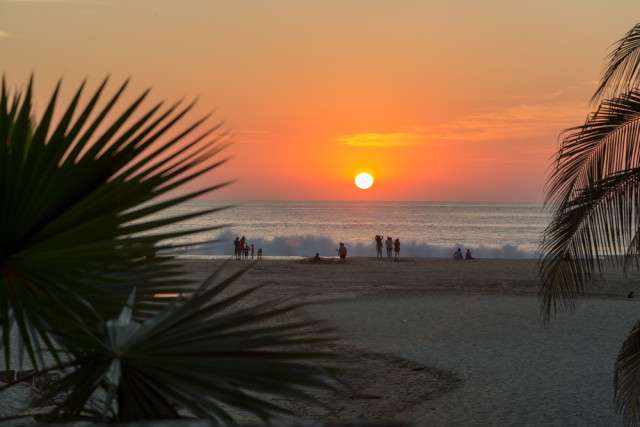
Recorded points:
(438, 100)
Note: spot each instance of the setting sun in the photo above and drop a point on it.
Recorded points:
(364, 181)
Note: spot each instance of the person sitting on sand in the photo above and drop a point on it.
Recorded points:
(260, 253)
(468, 255)
(316, 257)
(396, 248)
(389, 245)
(342, 251)
(457, 254)
(378, 246)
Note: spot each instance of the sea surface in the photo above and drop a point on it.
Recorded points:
(289, 229)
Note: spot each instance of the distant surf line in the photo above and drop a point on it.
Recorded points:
(302, 246)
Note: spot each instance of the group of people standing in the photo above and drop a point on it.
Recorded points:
(242, 248)
(393, 247)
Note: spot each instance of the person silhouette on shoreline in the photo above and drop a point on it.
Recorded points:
(260, 253)
(252, 251)
(457, 254)
(342, 251)
(236, 247)
(316, 257)
(389, 244)
(396, 248)
(468, 255)
(378, 246)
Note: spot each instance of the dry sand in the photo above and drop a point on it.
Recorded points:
(444, 342)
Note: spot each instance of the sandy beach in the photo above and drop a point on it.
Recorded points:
(443, 342)
(328, 280)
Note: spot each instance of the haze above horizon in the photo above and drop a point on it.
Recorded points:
(441, 100)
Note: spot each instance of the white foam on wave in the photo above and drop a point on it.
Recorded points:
(309, 245)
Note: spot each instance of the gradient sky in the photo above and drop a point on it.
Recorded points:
(438, 100)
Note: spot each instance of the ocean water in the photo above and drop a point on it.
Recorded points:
(426, 229)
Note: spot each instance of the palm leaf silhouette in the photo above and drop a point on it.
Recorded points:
(594, 189)
(73, 202)
(77, 202)
(198, 357)
(622, 69)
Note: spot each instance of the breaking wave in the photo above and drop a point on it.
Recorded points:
(309, 245)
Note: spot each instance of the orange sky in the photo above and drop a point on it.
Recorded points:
(438, 100)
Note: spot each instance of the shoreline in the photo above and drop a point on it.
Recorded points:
(365, 277)
(324, 258)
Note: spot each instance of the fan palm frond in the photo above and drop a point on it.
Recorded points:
(199, 357)
(75, 201)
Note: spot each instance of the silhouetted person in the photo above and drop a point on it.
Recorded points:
(252, 251)
(396, 248)
(378, 246)
(260, 253)
(246, 251)
(316, 257)
(236, 245)
(389, 244)
(468, 255)
(342, 251)
(457, 254)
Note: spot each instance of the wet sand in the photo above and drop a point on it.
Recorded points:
(327, 280)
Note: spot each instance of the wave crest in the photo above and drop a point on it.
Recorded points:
(309, 245)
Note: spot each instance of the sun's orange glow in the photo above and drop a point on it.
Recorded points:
(364, 180)
(306, 114)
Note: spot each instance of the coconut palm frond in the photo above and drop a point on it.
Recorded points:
(594, 191)
(598, 227)
(76, 202)
(626, 381)
(604, 145)
(202, 357)
(622, 70)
